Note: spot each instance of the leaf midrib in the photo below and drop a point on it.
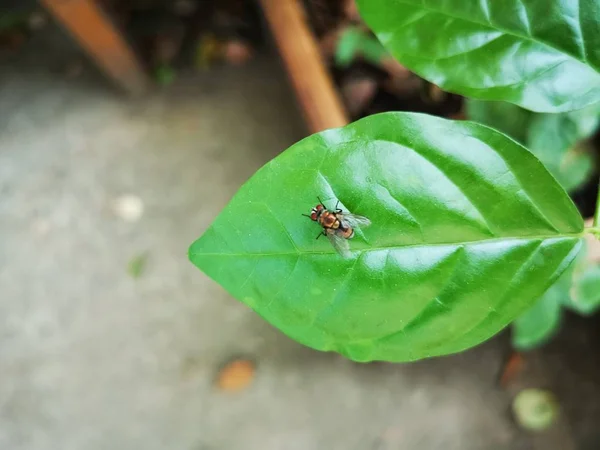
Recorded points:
(391, 247)
(504, 30)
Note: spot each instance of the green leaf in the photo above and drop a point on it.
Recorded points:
(575, 168)
(556, 139)
(354, 42)
(540, 322)
(543, 55)
(585, 298)
(505, 117)
(468, 230)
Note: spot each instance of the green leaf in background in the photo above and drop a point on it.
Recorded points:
(543, 55)
(354, 42)
(578, 289)
(575, 167)
(556, 139)
(468, 230)
(585, 294)
(505, 117)
(540, 322)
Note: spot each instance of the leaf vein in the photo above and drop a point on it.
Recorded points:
(393, 197)
(579, 31)
(286, 282)
(508, 85)
(535, 39)
(507, 293)
(250, 274)
(278, 220)
(336, 297)
(525, 16)
(457, 186)
(456, 255)
(392, 247)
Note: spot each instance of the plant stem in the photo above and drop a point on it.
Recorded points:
(597, 215)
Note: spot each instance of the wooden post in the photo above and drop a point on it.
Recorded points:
(317, 94)
(94, 31)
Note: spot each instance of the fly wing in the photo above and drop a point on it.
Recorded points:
(339, 243)
(356, 221)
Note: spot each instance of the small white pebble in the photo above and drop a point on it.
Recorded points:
(129, 207)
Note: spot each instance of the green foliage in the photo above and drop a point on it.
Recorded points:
(540, 322)
(584, 296)
(355, 42)
(556, 139)
(543, 55)
(578, 290)
(468, 230)
(505, 117)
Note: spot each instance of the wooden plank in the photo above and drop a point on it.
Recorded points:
(314, 87)
(95, 32)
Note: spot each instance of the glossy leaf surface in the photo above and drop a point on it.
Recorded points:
(468, 230)
(541, 54)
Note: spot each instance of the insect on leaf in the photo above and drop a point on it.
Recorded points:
(543, 55)
(468, 231)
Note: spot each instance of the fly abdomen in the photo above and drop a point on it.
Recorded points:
(345, 231)
(337, 226)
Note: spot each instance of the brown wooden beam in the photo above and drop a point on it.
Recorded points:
(95, 32)
(314, 87)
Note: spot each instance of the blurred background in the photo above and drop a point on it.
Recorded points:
(125, 127)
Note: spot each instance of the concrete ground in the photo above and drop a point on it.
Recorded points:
(92, 358)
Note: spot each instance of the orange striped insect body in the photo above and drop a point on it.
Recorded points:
(337, 225)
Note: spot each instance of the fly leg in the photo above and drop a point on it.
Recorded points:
(337, 210)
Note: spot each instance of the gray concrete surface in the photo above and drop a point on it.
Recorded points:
(91, 358)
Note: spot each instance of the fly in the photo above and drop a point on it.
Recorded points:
(337, 225)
